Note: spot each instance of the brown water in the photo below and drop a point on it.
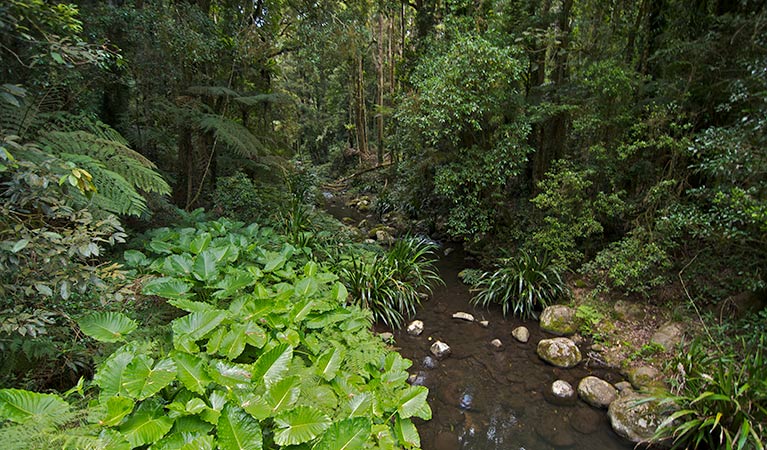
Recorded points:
(483, 398)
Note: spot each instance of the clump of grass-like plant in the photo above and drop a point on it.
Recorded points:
(391, 285)
(522, 285)
(721, 397)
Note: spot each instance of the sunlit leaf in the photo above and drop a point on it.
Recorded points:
(301, 424)
(107, 326)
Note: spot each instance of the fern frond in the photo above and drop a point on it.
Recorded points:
(17, 120)
(213, 91)
(113, 192)
(63, 121)
(253, 100)
(129, 164)
(244, 143)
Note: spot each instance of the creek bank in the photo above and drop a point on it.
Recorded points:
(490, 394)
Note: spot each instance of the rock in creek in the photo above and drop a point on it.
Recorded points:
(415, 328)
(430, 363)
(633, 420)
(463, 316)
(497, 344)
(440, 350)
(560, 352)
(417, 379)
(597, 392)
(559, 320)
(562, 390)
(522, 334)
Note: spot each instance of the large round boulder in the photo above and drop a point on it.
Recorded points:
(635, 419)
(560, 352)
(559, 320)
(597, 392)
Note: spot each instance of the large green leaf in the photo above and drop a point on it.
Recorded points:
(31, 407)
(107, 326)
(306, 287)
(360, 405)
(328, 363)
(205, 266)
(110, 374)
(146, 427)
(141, 380)
(233, 342)
(134, 258)
(191, 371)
(117, 409)
(230, 374)
(283, 394)
(194, 326)
(412, 402)
(200, 243)
(177, 265)
(272, 365)
(273, 261)
(238, 431)
(406, 433)
(167, 287)
(301, 424)
(349, 434)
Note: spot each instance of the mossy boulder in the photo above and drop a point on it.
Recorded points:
(597, 392)
(644, 377)
(635, 417)
(559, 320)
(560, 352)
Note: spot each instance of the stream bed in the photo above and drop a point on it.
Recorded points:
(485, 398)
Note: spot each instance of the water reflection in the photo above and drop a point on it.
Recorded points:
(485, 398)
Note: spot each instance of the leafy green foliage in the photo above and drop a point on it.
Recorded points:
(464, 117)
(573, 212)
(523, 285)
(722, 399)
(634, 264)
(277, 359)
(391, 285)
(107, 326)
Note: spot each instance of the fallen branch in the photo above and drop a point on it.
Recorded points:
(361, 172)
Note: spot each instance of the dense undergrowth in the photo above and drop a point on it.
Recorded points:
(264, 353)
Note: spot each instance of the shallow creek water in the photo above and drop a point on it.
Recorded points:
(483, 398)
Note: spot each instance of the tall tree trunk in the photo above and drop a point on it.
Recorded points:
(184, 169)
(554, 130)
(380, 97)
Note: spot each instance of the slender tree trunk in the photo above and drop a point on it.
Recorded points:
(380, 69)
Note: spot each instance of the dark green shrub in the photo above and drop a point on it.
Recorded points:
(722, 399)
(523, 285)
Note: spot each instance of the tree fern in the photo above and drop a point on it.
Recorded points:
(242, 142)
(117, 170)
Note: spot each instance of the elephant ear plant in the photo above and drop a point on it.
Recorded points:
(264, 354)
(522, 285)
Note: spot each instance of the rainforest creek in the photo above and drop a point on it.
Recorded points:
(436, 224)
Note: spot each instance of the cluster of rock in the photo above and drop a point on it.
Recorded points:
(632, 414)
